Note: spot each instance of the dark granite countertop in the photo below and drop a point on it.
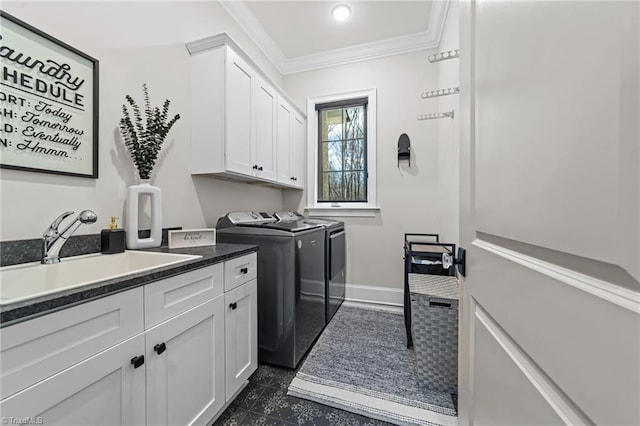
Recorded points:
(13, 313)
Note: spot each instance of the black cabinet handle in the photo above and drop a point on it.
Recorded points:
(160, 347)
(255, 167)
(292, 178)
(233, 305)
(260, 168)
(137, 361)
(244, 270)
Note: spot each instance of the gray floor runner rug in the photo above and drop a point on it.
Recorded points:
(361, 364)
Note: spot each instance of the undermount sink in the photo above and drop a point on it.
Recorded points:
(26, 281)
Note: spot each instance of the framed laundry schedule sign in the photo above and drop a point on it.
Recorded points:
(48, 103)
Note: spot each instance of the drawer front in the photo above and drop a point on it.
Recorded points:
(240, 270)
(36, 349)
(172, 296)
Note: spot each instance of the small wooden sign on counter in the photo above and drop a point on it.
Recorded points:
(192, 238)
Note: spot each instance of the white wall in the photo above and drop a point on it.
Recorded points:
(135, 42)
(409, 197)
(138, 42)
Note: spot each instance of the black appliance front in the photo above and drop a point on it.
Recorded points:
(291, 295)
(335, 271)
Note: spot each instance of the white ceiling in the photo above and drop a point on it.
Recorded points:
(305, 28)
(301, 35)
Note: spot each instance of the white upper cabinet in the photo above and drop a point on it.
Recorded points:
(238, 114)
(291, 142)
(284, 141)
(298, 145)
(264, 137)
(236, 118)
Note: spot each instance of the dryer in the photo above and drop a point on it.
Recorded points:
(291, 288)
(335, 266)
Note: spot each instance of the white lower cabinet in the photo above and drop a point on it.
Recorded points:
(96, 364)
(185, 366)
(241, 327)
(105, 389)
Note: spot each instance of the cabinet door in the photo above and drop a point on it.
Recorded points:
(238, 109)
(298, 149)
(241, 340)
(284, 142)
(185, 366)
(105, 389)
(265, 129)
(36, 349)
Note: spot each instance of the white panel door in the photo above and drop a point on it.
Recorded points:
(298, 144)
(550, 213)
(265, 130)
(284, 141)
(238, 114)
(185, 366)
(105, 389)
(241, 322)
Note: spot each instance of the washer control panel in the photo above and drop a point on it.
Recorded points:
(287, 216)
(238, 218)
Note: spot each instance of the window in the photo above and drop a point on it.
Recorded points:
(342, 166)
(342, 154)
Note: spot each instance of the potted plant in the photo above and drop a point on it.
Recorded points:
(143, 139)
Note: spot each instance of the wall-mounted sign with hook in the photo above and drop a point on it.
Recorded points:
(404, 149)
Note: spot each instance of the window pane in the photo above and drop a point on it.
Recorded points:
(332, 156)
(354, 186)
(335, 155)
(342, 154)
(332, 187)
(354, 155)
(354, 122)
(331, 124)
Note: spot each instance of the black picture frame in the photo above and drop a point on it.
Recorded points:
(48, 103)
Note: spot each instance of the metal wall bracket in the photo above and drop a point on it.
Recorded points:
(461, 261)
(436, 115)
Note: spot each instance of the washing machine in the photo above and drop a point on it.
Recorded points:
(291, 286)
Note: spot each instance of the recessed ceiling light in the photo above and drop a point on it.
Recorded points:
(341, 12)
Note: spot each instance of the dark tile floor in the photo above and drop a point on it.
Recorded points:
(265, 402)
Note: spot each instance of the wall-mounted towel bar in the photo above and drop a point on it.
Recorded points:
(441, 92)
(443, 56)
(435, 115)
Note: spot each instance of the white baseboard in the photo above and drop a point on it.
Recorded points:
(391, 297)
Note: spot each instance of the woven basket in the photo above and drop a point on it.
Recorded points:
(434, 327)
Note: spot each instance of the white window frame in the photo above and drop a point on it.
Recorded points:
(364, 209)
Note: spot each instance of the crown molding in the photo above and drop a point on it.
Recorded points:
(224, 39)
(211, 43)
(241, 13)
(439, 10)
(429, 39)
(359, 53)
